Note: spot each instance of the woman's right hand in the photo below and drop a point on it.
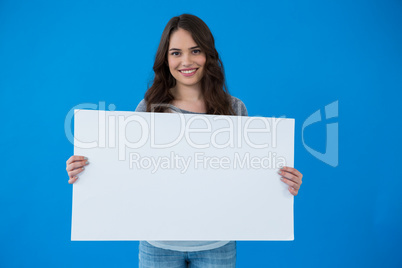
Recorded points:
(75, 165)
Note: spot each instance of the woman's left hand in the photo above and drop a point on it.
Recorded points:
(291, 177)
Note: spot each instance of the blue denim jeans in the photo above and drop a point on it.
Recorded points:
(222, 257)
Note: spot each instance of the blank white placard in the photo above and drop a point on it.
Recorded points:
(171, 176)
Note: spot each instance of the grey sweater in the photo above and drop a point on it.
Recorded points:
(237, 104)
(240, 109)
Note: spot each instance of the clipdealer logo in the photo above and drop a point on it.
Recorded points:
(331, 154)
(329, 113)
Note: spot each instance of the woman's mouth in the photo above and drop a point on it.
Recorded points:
(188, 72)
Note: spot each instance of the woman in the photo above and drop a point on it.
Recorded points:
(189, 78)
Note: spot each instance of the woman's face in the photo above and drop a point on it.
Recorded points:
(186, 60)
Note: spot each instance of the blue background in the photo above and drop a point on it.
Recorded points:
(281, 58)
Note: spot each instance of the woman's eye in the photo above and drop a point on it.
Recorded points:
(197, 51)
(175, 53)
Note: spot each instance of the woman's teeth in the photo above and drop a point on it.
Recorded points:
(189, 71)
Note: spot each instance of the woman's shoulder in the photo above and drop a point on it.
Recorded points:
(239, 107)
(142, 106)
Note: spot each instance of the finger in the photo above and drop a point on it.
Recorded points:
(75, 172)
(76, 165)
(293, 191)
(292, 171)
(291, 183)
(75, 158)
(72, 180)
(290, 176)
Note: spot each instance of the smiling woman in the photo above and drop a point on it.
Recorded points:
(188, 71)
(189, 78)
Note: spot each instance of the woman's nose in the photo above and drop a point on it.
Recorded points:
(186, 60)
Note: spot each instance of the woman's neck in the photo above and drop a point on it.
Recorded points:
(187, 93)
(189, 99)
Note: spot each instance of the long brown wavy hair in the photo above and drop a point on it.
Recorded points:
(216, 95)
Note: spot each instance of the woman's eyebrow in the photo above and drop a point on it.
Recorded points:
(180, 49)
